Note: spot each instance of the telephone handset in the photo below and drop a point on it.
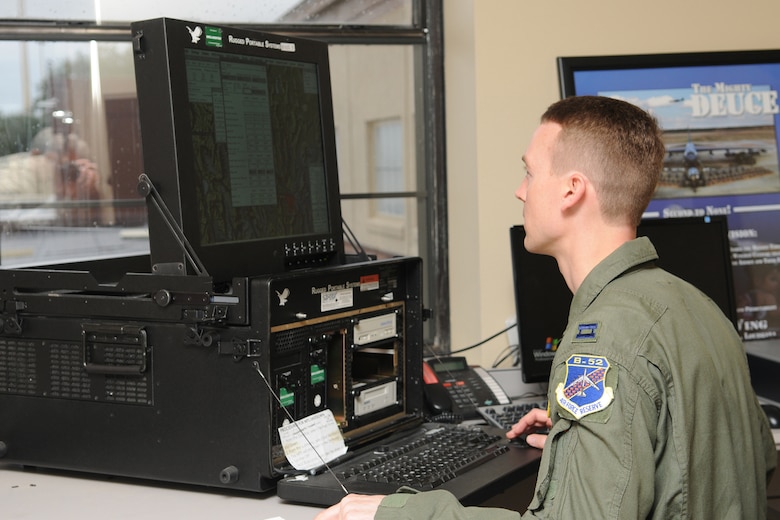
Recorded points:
(452, 386)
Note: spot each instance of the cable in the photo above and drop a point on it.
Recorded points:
(510, 351)
(497, 334)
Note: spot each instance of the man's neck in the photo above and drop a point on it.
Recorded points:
(586, 248)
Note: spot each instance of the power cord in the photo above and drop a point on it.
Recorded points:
(497, 334)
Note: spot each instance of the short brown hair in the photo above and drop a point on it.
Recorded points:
(616, 144)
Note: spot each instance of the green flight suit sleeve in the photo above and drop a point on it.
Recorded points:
(601, 466)
(436, 504)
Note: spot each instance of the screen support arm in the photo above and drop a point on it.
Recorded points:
(148, 191)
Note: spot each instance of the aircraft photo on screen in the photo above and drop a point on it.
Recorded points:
(720, 138)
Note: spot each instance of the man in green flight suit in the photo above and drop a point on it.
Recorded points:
(652, 414)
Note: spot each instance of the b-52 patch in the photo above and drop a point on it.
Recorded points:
(584, 390)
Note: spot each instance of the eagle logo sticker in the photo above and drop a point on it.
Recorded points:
(584, 392)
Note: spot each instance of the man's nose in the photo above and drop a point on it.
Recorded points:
(520, 191)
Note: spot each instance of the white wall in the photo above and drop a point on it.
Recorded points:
(500, 75)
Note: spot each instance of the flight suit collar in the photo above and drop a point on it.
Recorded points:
(624, 258)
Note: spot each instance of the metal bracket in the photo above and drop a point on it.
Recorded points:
(147, 190)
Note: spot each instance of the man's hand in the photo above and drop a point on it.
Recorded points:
(531, 422)
(352, 507)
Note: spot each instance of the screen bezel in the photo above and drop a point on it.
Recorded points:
(568, 66)
(168, 154)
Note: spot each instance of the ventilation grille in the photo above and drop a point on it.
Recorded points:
(18, 367)
(56, 370)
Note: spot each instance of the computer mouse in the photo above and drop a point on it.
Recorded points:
(520, 440)
(773, 414)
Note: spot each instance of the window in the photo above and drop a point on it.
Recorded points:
(388, 172)
(70, 152)
(243, 12)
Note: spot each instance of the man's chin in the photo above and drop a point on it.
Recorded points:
(535, 248)
(529, 245)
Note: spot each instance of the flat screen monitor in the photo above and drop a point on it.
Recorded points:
(695, 249)
(238, 140)
(719, 112)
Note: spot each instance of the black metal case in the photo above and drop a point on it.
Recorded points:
(159, 377)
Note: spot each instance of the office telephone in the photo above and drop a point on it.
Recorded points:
(454, 387)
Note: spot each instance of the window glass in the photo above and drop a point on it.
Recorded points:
(374, 110)
(384, 238)
(238, 11)
(387, 161)
(70, 153)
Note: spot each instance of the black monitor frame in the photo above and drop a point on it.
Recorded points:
(542, 298)
(569, 66)
(159, 48)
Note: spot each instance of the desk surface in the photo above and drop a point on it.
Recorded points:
(30, 493)
(38, 494)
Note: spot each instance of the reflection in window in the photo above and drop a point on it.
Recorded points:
(70, 153)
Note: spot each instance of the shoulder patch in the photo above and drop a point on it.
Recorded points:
(583, 391)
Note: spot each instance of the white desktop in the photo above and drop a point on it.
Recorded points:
(44, 494)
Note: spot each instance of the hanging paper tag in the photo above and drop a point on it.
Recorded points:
(311, 442)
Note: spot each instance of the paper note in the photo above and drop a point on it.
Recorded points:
(311, 442)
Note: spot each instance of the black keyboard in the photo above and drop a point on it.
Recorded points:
(428, 461)
(505, 415)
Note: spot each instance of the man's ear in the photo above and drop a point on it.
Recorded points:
(575, 185)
